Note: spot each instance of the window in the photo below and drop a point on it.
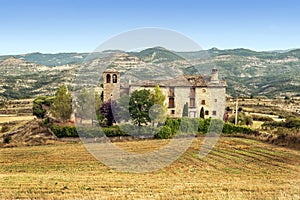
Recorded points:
(192, 92)
(216, 100)
(214, 112)
(171, 103)
(108, 78)
(171, 92)
(192, 102)
(203, 90)
(206, 112)
(114, 77)
(172, 112)
(203, 102)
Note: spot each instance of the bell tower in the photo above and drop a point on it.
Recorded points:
(111, 85)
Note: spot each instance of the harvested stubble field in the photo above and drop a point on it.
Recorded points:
(236, 169)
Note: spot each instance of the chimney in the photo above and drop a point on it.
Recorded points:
(214, 76)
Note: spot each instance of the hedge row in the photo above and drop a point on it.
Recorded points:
(72, 131)
(229, 128)
(199, 126)
(64, 131)
(168, 130)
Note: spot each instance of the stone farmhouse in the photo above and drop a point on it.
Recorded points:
(196, 90)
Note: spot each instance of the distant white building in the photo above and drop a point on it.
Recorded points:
(196, 90)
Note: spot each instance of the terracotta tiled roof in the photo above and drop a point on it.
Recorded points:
(183, 80)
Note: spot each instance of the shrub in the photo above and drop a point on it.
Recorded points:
(188, 125)
(215, 126)
(262, 118)
(174, 124)
(64, 131)
(292, 122)
(5, 129)
(6, 139)
(130, 129)
(112, 132)
(248, 120)
(90, 132)
(45, 122)
(243, 119)
(164, 133)
(203, 125)
(229, 128)
(72, 131)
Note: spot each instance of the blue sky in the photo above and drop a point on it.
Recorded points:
(80, 26)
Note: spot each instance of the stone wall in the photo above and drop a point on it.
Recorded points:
(214, 98)
(111, 89)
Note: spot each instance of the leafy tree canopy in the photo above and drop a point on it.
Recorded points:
(62, 104)
(139, 106)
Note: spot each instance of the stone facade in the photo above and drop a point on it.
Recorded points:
(198, 91)
(111, 85)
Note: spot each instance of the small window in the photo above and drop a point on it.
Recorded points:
(206, 112)
(114, 78)
(171, 103)
(203, 102)
(172, 112)
(171, 92)
(192, 92)
(203, 90)
(108, 78)
(216, 100)
(214, 112)
(192, 102)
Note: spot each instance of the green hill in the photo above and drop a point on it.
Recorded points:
(247, 72)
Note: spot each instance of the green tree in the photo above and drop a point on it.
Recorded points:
(139, 106)
(81, 104)
(123, 108)
(106, 110)
(62, 104)
(158, 112)
(185, 111)
(248, 120)
(202, 113)
(97, 103)
(243, 119)
(41, 104)
(89, 103)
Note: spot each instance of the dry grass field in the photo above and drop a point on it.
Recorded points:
(16, 121)
(8, 118)
(236, 169)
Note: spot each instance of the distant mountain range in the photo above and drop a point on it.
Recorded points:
(247, 72)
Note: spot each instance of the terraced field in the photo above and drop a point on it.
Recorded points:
(236, 169)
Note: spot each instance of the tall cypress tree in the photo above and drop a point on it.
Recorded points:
(185, 111)
(202, 113)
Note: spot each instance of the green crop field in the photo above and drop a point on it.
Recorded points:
(236, 169)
